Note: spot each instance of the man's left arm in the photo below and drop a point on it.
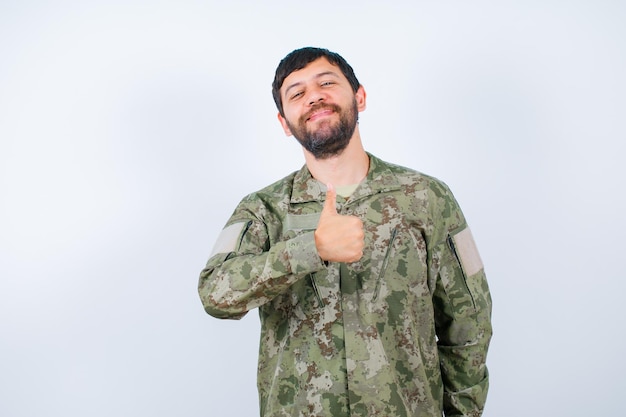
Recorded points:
(463, 316)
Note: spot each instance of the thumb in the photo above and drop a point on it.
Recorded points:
(331, 200)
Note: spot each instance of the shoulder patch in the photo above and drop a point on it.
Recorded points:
(228, 238)
(467, 252)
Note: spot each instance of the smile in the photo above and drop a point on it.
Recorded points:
(319, 114)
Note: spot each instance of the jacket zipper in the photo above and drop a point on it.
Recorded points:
(317, 291)
(458, 260)
(243, 233)
(394, 233)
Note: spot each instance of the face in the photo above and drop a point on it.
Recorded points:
(321, 109)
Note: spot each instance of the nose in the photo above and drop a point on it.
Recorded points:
(315, 96)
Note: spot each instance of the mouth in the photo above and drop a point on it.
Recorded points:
(319, 114)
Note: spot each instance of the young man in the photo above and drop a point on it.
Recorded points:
(372, 296)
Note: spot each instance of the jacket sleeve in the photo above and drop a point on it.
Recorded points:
(249, 266)
(462, 313)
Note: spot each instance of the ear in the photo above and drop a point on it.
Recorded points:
(283, 123)
(360, 97)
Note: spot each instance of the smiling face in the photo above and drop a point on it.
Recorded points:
(320, 107)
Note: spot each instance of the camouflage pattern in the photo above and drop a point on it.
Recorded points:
(402, 332)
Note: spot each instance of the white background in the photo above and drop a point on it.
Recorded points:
(129, 131)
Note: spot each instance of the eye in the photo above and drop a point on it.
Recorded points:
(327, 83)
(295, 95)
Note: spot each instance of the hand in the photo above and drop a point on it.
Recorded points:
(338, 238)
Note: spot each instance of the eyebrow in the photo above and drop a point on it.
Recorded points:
(317, 76)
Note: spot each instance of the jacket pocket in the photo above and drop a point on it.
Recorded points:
(383, 267)
(467, 258)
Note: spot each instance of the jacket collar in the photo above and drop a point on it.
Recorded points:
(379, 179)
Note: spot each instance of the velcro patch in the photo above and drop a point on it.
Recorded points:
(301, 221)
(467, 252)
(228, 238)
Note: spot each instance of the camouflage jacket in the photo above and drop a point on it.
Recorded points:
(402, 332)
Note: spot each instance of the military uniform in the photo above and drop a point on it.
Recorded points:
(402, 332)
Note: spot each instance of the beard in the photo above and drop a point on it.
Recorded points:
(328, 139)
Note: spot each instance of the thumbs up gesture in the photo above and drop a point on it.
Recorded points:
(338, 238)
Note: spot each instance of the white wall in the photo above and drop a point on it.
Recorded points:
(129, 130)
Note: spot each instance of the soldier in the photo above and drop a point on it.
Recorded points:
(372, 296)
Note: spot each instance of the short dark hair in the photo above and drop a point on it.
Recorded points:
(300, 58)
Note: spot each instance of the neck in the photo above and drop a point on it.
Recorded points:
(347, 168)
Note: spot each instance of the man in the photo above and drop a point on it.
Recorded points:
(371, 293)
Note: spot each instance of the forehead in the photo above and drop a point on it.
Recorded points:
(313, 70)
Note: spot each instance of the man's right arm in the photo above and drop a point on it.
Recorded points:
(248, 268)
